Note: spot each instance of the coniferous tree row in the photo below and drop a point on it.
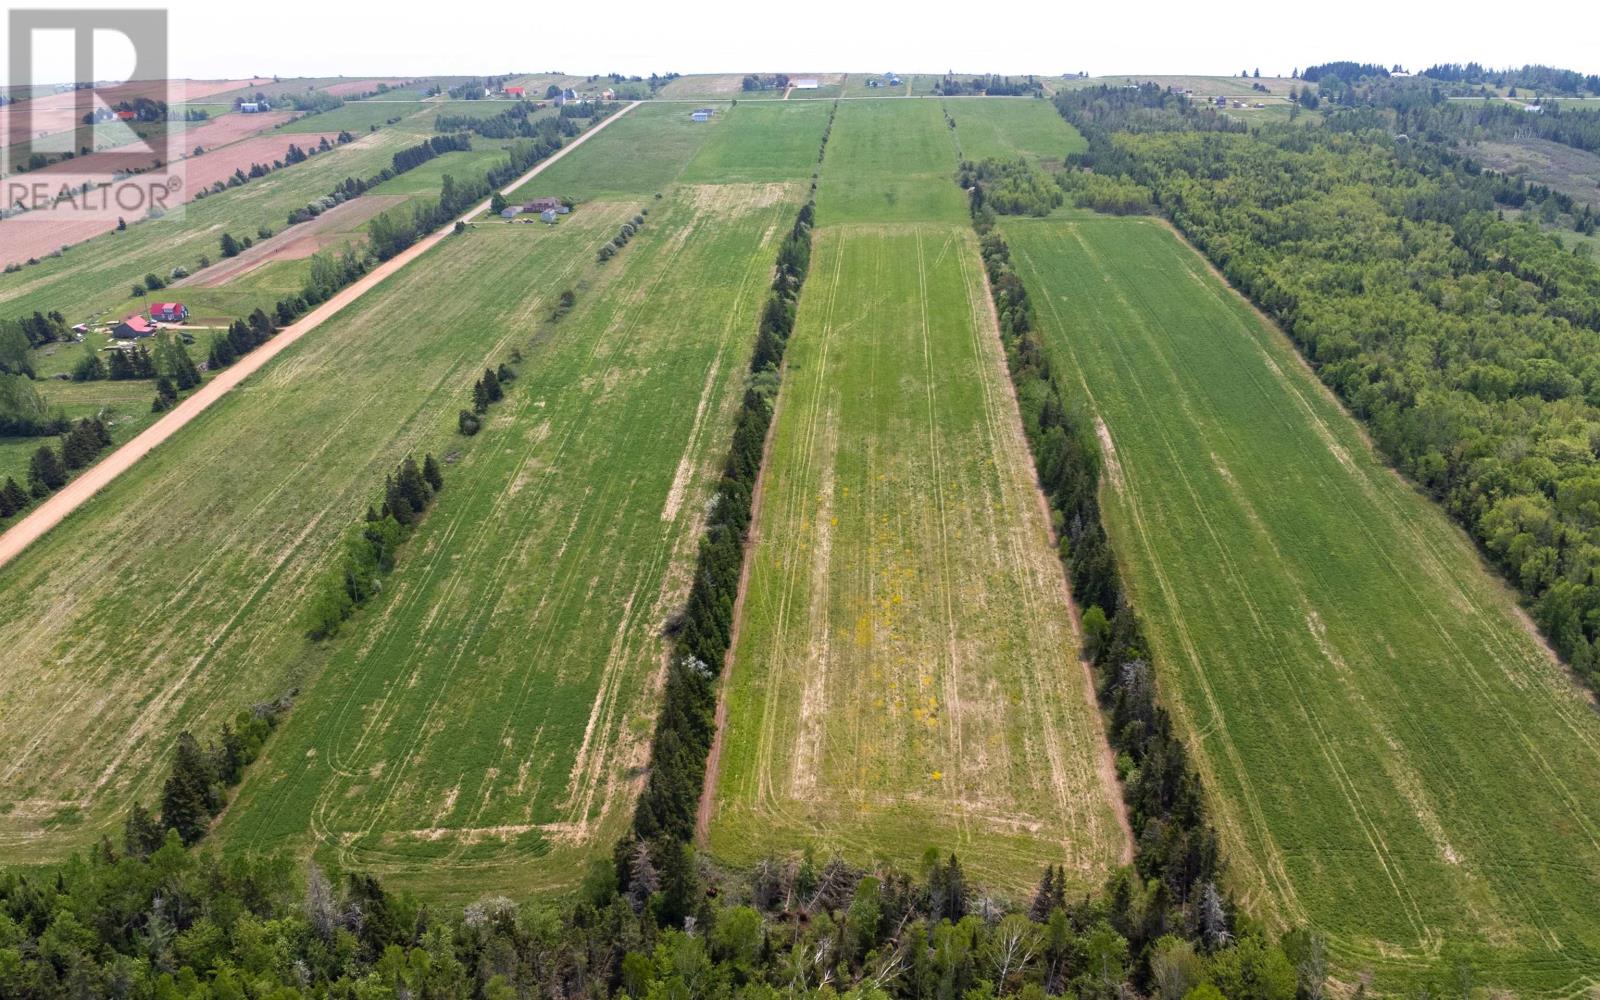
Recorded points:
(195, 790)
(665, 813)
(1176, 851)
(368, 550)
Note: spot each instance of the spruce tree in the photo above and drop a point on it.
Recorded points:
(45, 472)
(399, 508)
(431, 472)
(13, 496)
(480, 397)
(141, 834)
(412, 486)
(491, 386)
(187, 797)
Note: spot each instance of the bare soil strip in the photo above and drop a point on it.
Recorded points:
(295, 242)
(55, 509)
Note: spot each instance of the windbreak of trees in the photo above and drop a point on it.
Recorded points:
(1540, 79)
(684, 729)
(1177, 853)
(990, 84)
(368, 551)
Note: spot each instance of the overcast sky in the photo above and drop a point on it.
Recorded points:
(213, 39)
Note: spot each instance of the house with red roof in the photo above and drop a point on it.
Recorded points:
(169, 312)
(514, 92)
(133, 328)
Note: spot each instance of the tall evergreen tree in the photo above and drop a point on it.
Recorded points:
(431, 472)
(45, 472)
(188, 796)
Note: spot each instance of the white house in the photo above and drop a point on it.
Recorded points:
(806, 83)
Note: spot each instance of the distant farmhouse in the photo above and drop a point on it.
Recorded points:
(701, 114)
(515, 92)
(169, 312)
(544, 205)
(254, 107)
(133, 328)
(806, 83)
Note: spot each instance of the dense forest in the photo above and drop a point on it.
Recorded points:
(1465, 342)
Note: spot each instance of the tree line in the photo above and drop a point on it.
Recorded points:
(664, 816)
(1463, 341)
(486, 391)
(368, 550)
(1177, 855)
(49, 467)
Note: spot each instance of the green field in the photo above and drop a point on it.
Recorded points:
(1390, 755)
(760, 142)
(211, 542)
(358, 116)
(907, 670)
(890, 161)
(641, 154)
(1008, 127)
(492, 711)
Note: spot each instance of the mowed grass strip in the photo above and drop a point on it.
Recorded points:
(484, 726)
(907, 672)
(890, 161)
(173, 598)
(1391, 757)
(1009, 127)
(758, 142)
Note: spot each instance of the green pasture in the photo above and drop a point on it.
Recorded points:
(890, 161)
(757, 142)
(1009, 127)
(639, 155)
(907, 672)
(1391, 756)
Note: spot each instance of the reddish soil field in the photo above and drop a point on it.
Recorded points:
(331, 228)
(355, 88)
(39, 233)
(58, 112)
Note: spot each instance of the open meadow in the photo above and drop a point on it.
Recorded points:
(213, 541)
(890, 161)
(1009, 127)
(907, 671)
(1390, 756)
(485, 723)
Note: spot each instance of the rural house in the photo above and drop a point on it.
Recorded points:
(516, 92)
(543, 205)
(608, 94)
(133, 328)
(254, 107)
(169, 312)
(700, 115)
(806, 83)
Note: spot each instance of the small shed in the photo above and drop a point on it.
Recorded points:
(509, 212)
(548, 215)
(702, 115)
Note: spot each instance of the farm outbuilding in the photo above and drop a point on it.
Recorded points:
(543, 205)
(509, 212)
(548, 215)
(700, 115)
(133, 328)
(516, 92)
(806, 83)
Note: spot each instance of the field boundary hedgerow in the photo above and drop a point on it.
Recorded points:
(54, 510)
(669, 808)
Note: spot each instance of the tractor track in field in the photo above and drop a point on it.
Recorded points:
(97, 477)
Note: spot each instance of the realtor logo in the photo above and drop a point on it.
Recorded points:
(88, 148)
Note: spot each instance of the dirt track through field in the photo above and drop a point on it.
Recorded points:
(296, 242)
(55, 509)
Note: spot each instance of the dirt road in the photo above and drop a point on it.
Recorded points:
(55, 509)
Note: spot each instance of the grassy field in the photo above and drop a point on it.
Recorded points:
(1391, 757)
(493, 710)
(358, 116)
(907, 672)
(1008, 127)
(211, 542)
(760, 142)
(890, 161)
(641, 155)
